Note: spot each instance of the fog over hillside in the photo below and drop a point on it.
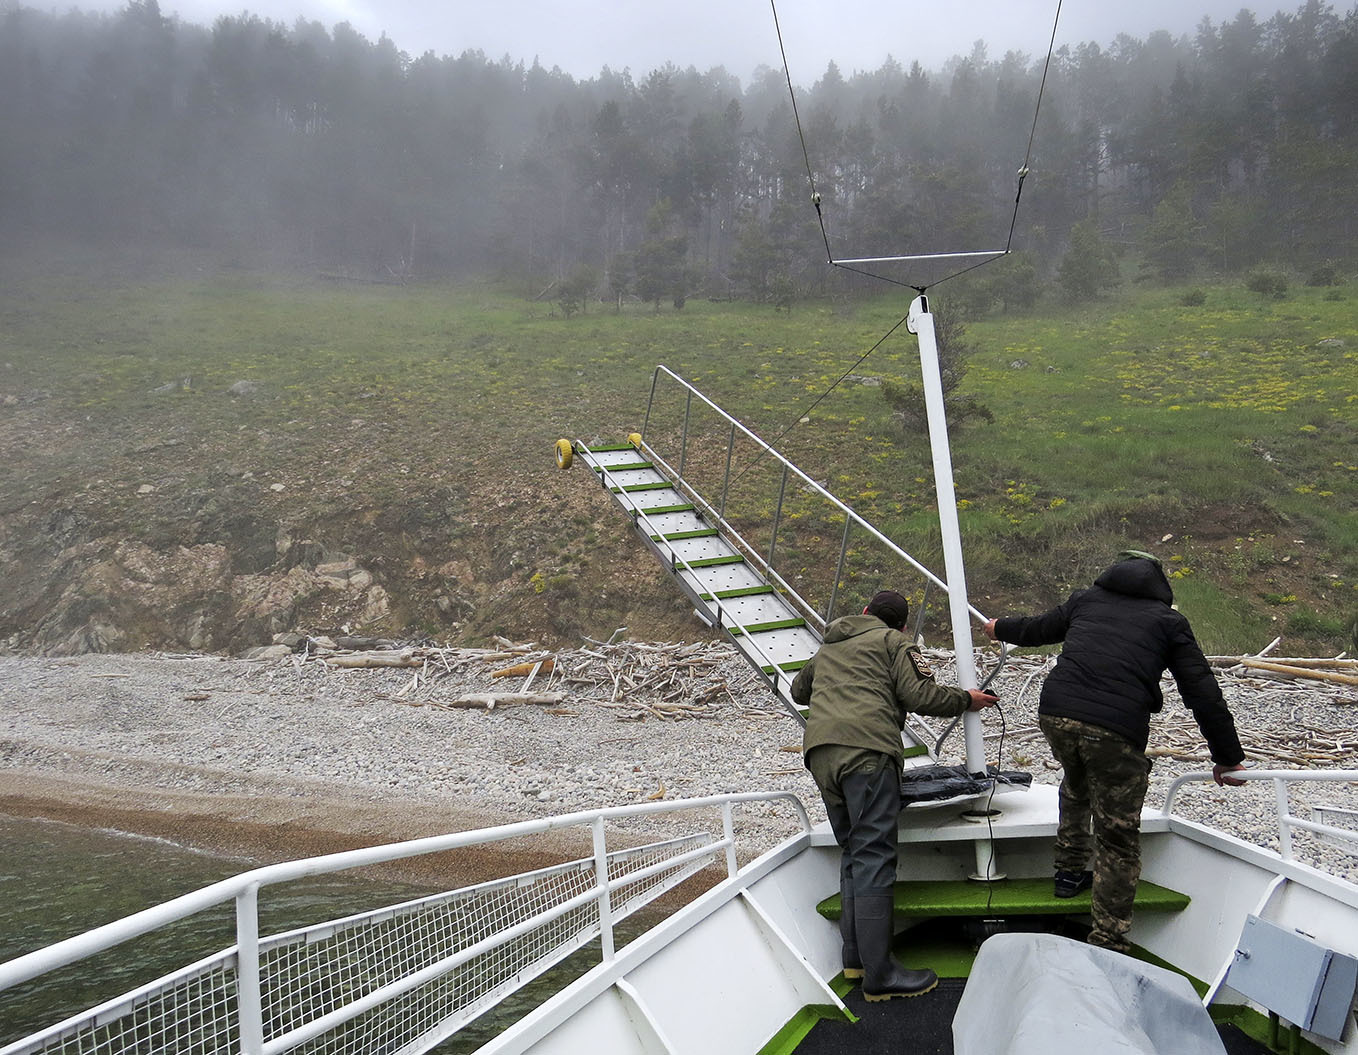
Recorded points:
(1218, 149)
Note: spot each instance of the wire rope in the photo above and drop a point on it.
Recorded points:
(816, 197)
(820, 398)
(825, 235)
(797, 118)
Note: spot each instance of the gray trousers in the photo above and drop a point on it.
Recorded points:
(862, 794)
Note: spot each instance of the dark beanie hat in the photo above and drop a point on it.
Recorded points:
(890, 607)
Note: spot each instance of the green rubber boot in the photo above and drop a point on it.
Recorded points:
(883, 977)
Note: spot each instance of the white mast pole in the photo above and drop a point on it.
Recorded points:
(921, 323)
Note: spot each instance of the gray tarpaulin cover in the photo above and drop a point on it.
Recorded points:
(1041, 994)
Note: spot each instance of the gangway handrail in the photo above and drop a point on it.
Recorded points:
(1287, 820)
(682, 562)
(922, 733)
(747, 548)
(788, 466)
(244, 887)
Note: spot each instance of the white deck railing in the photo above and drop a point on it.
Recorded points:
(1287, 820)
(409, 974)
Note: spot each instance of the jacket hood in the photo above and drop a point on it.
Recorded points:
(851, 626)
(1137, 578)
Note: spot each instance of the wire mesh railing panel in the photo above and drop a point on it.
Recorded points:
(189, 1014)
(310, 976)
(397, 979)
(630, 896)
(419, 1019)
(311, 973)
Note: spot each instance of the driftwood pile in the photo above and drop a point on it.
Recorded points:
(671, 682)
(1337, 671)
(675, 682)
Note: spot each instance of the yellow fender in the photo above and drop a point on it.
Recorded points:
(565, 454)
(634, 438)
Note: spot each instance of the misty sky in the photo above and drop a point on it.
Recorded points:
(581, 36)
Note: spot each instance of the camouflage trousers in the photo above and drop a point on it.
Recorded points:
(1104, 781)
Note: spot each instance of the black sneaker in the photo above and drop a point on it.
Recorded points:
(1068, 884)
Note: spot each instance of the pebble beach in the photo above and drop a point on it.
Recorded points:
(289, 756)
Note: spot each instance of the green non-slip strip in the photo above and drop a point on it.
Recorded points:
(679, 536)
(611, 447)
(629, 467)
(655, 511)
(764, 628)
(915, 752)
(713, 562)
(1012, 897)
(788, 668)
(629, 488)
(787, 1039)
(744, 591)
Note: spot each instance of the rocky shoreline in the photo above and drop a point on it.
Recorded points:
(292, 755)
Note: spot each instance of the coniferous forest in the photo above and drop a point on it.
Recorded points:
(1210, 153)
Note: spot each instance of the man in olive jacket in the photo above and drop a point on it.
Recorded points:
(859, 687)
(1120, 636)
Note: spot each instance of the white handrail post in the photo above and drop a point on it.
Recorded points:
(728, 831)
(601, 884)
(1284, 819)
(249, 1002)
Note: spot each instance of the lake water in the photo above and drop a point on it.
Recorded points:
(57, 880)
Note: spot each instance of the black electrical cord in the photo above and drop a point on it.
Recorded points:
(990, 815)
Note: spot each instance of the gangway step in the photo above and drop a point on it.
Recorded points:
(655, 485)
(765, 628)
(681, 536)
(724, 595)
(714, 562)
(727, 588)
(791, 667)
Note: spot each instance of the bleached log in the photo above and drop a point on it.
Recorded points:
(1302, 672)
(490, 700)
(1291, 661)
(520, 669)
(404, 658)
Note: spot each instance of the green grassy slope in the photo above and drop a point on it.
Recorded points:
(412, 428)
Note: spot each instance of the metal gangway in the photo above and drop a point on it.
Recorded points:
(754, 572)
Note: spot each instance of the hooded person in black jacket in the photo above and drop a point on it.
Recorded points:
(1120, 636)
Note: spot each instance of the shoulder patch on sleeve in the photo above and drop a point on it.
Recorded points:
(920, 664)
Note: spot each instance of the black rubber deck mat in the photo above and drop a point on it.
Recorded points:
(883, 1027)
(1240, 1043)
